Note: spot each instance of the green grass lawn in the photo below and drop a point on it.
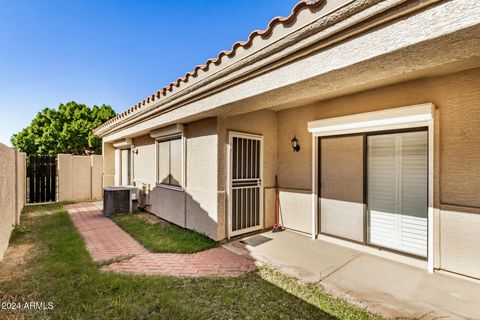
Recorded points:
(163, 237)
(60, 270)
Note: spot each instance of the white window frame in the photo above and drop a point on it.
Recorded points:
(183, 158)
(421, 115)
(130, 166)
(118, 147)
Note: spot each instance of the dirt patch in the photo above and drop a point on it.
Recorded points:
(40, 213)
(108, 262)
(152, 219)
(15, 258)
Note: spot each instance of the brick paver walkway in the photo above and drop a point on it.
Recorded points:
(106, 240)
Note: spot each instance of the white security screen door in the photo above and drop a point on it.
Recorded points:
(398, 191)
(246, 191)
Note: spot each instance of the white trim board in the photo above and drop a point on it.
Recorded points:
(167, 132)
(420, 115)
(397, 118)
(123, 144)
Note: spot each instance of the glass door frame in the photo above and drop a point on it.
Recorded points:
(367, 218)
(384, 121)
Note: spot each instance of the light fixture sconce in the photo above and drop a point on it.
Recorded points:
(295, 145)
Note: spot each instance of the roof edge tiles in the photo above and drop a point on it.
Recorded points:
(216, 61)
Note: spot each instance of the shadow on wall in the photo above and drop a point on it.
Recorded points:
(170, 180)
(181, 208)
(295, 208)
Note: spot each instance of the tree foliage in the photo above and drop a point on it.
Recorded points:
(67, 129)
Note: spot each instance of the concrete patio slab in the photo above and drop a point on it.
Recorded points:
(389, 288)
(297, 255)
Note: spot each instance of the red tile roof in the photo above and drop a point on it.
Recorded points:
(245, 44)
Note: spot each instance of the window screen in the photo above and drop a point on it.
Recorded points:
(170, 162)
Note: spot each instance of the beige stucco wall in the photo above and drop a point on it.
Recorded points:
(108, 156)
(457, 160)
(263, 123)
(144, 161)
(459, 246)
(12, 192)
(166, 203)
(202, 204)
(196, 206)
(79, 177)
(201, 177)
(296, 209)
(21, 190)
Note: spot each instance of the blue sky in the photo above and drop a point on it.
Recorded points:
(113, 52)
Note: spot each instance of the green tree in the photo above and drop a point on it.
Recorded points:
(67, 129)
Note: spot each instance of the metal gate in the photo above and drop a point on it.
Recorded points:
(245, 183)
(41, 179)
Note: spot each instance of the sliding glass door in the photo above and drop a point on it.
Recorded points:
(342, 204)
(397, 191)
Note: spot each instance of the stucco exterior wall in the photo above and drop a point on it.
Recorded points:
(296, 209)
(108, 153)
(202, 212)
(457, 155)
(12, 192)
(21, 161)
(196, 206)
(166, 203)
(79, 177)
(263, 123)
(144, 161)
(460, 236)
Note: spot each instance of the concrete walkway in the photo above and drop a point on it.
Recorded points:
(389, 288)
(105, 241)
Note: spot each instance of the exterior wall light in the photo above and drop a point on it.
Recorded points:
(295, 145)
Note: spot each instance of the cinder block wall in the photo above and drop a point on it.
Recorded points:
(79, 177)
(12, 192)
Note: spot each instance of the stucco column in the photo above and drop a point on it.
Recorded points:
(109, 160)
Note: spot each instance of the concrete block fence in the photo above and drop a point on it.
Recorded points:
(79, 177)
(12, 192)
